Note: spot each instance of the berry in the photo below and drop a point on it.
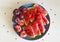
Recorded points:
(23, 34)
(16, 12)
(17, 28)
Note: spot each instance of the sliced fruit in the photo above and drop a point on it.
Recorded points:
(44, 18)
(36, 28)
(38, 17)
(30, 32)
(16, 12)
(23, 34)
(41, 24)
(41, 9)
(17, 28)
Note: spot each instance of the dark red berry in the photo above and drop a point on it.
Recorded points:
(16, 20)
(23, 9)
(21, 16)
(16, 12)
(17, 28)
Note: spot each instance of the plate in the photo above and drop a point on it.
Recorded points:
(46, 26)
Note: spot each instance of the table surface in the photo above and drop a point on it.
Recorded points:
(7, 33)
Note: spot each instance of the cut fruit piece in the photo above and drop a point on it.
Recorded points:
(36, 29)
(41, 24)
(23, 34)
(40, 9)
(16, 12)
(38, 17)
(44, 18)
(30, 32)
(32, 19)
(17, 28)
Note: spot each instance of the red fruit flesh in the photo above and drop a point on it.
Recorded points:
(38, 17)
(23, 34)
(44, 18)
(29, 31)
(41, 24)
(40, 9)
(36, 28)
(17, 28)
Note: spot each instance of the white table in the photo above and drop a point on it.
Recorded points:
(7, 33)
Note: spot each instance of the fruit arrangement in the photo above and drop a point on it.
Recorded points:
(30, 21)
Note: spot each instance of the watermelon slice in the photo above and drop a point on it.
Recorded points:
(44, 18)
(30, 32)
(38, 16)
(36, 28)
(41, 24)
(40, 9)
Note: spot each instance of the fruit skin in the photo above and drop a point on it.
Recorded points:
(36, 28)
(23, 9)
(16, 19)
(29, 31)
(41, 24)
(17, 28)
(23, 34)
(16, 12)
(21, 16)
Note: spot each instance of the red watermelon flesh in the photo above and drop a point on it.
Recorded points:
(30, 32)
(40, 9)
(45, 19)
(36, 28)
(41, 24)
